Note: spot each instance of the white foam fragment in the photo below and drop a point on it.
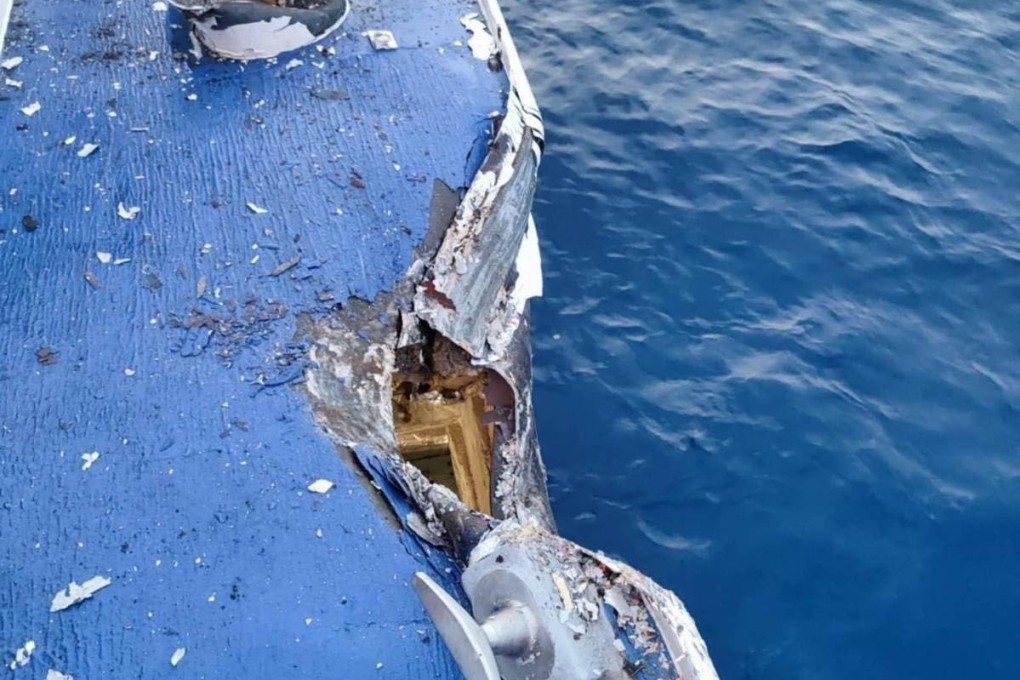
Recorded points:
(75, 593)
(129, 372)
(104, 257)
(87, 149)
(89, 459)
(31, 109)
(159, 7)
(257, 209)
(177, 656)
(292, 64)
(126, 212)
(68, 141)
(11, 82)
(321, 486)
(12, 63)
(481, 42)
(192, 97)
(57, 675)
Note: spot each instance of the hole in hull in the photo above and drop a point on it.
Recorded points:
(445, 420)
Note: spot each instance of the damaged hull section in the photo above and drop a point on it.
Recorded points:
(443, 368)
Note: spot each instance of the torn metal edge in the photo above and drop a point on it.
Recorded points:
(6, 6)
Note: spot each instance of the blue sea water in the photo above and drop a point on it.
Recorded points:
(778, 360)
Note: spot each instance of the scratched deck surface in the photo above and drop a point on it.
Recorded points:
(177, 366)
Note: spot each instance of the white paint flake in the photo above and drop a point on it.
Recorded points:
(86, 150)
(31, 109)
(23, 655)
(75, 593)
(257, 209)
(321, 486)
(57, 675)
(12, 63)
(104, 257)
(122, 260)
(177, 656)
(89, 459)
(128, 212)
(481, 43)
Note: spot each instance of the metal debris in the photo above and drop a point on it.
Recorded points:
(89, 459)
(87, 149)
(286, 266)
(47, 356)
(381, 40)
(92, 279)
(126, 212)
(23, 655)
(31, 109)
(75, 593)
(257, 209)
(321, 486)
(177, 656)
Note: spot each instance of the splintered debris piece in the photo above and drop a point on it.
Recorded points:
(104, 257)
(561, 585)
(128, 212)
(57, 675)
(382, 40)
(23, 655)
(86, 149)
(321, 486)
(47, 356)
(286, 266)
(177, 656)
(11, 64)
(257, 209)
(88, 459)
(75, 593)
(31, 109)
(92, 279)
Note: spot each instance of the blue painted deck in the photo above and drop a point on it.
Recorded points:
(197, 507)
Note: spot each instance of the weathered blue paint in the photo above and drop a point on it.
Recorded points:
(197, 508)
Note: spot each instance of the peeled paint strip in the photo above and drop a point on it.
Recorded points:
(75, 593)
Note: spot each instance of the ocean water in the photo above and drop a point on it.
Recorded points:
(778, 360)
